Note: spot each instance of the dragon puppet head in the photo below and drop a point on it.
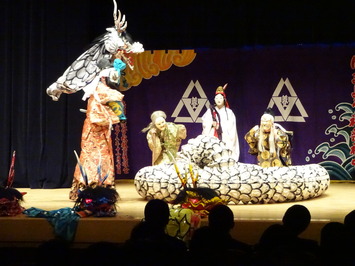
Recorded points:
(114, 44)
(120, 43)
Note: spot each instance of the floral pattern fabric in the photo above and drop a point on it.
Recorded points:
(96, 143)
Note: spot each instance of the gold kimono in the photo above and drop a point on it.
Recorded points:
(282, 154)
(166, 143)
(96, 143)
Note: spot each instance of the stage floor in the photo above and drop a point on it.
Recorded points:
(251, 220)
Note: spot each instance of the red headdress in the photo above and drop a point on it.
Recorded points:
(220, 90)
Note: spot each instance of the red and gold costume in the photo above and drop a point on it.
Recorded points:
(96, 143)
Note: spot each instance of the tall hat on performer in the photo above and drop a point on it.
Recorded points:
(221, 90)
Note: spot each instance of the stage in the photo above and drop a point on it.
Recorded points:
(251, 220)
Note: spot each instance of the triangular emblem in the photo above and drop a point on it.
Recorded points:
(285, 103)
(194, 105)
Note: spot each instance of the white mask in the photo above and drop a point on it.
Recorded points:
(160, 123)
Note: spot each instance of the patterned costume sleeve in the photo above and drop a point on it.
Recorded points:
(284, 146)
(154, 144)
(108, 95)
(101, 114)
(181, 131)
(252, 141)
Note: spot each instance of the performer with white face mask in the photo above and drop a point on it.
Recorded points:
(164, 138)
(220, 121)
(270, 142)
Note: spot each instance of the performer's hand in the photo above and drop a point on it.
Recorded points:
(215, 125)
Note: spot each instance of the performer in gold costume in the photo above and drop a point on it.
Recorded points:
(269, 142)
(164, 138)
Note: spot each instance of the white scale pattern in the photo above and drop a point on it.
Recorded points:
(234, 181)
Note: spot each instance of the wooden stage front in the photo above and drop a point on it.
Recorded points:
(251, 220)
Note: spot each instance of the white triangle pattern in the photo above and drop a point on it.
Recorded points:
(285, 104)
(193, 105)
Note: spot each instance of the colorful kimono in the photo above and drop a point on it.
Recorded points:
(282, 156)
(96, 143)
(164, 142)
(227, 122)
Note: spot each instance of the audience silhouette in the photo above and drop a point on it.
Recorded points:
(213, 244)
(101, 253)
(349, 223)
(281, 244)
(334, 244)
(296, 220)
(149, 243)
(53, 252)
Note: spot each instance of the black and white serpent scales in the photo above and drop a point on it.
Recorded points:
(234, 181)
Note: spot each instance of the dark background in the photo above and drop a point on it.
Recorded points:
(182, 24)
(233, 23)
(39, 39)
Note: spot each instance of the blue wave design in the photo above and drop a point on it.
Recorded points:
(349, 167)
(343, 131)
(345, 116)
(340, 150)
(336, 171)
(347, 107)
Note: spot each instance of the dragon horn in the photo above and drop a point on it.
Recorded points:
(120, 24)
(11, 176)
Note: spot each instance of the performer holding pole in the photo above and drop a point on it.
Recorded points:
(220, 121)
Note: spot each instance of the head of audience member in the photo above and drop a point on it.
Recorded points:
(332, 234)
(273, 236)
(349, 224)
(296, 219)
(349, 219)
(221, 218)
(336, 244)
(156, 213)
